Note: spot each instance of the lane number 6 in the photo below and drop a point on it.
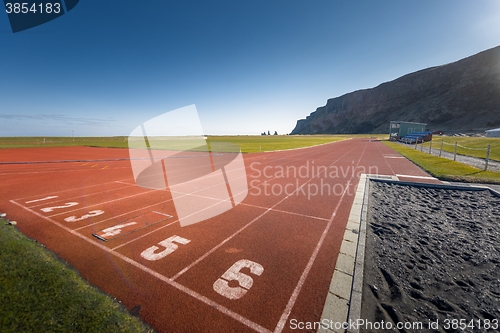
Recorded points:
(245, 282)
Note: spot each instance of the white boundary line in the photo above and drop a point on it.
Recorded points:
(286, 212)
(62, 191)
(105, 202)
(113, 217)
(305, 273)
(75, 197)
(416, 177)
(312, 259)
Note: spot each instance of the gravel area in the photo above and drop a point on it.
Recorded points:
(473, 161)
(432, 257)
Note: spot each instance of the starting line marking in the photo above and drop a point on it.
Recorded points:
(157, 275)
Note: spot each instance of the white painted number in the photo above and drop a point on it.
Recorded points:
(66, 205)
(116, 230)
(222, 287)
(150, 253)
(84, 217)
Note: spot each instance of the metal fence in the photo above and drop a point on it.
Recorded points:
(486, 160)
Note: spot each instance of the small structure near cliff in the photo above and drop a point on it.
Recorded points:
(398, 129)
(493, 133)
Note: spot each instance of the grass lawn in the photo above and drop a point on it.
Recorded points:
(247, 144)
(40, 293)
(478, 146)
(253, 144)
(30, 142)
(445, 169)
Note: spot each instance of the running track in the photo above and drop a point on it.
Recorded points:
(281, 242)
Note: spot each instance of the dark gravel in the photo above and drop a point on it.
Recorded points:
(432, 254)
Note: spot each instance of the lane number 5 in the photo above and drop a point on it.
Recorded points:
(151, 254)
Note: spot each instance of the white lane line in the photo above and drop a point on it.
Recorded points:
(385, 160)
(305, 273)
(101, 203)
(137, 238)
(62, 191)
(243, 228)
(163, 214)
(286, 212)
(83, 196)
(126, 183)
(312, 259)
(157, 275)
(43, 199)
(116, 216)
(219, 245)
(416, 177)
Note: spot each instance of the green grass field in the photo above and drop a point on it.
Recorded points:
(478, 146)
(247, 144)
(31, 142)
(40, 293)
(253, 144)
(445, 169)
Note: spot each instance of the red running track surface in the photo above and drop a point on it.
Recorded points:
(282, 241)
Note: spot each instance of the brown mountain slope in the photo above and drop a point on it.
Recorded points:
(460, 96)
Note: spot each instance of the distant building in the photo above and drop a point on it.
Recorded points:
(493, 133)
(398, 129)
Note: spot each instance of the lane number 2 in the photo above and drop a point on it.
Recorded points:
(245, 282)
(66, 205)
(151, 254)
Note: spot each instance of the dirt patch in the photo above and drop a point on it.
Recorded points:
(432, 257)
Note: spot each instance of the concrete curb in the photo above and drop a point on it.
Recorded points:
(343, 301)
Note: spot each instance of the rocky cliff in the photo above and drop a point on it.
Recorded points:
(460, 96)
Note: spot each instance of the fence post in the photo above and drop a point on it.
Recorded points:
(455, 152)
(487, 158)
(421, 146)
(430, 147)
(441, 149)
(416, 144)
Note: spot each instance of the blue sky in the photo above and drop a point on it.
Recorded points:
(249, 66)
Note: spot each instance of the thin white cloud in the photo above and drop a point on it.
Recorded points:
(57, 119)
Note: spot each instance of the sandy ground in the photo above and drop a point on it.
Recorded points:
(432, 259)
